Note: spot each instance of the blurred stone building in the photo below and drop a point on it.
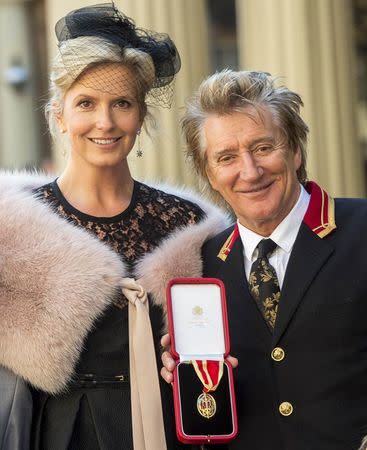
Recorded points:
(317, 47)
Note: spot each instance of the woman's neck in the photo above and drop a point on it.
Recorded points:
(99, 192)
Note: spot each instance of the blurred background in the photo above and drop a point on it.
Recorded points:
(316, 47)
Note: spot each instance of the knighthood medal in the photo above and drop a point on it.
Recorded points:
(206, 405)
(210, 374)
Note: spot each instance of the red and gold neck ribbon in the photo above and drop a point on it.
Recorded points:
(209, 373)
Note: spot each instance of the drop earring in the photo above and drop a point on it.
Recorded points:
(63, 151)
(139, 151)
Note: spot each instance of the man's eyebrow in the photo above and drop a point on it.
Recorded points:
(224, 151)
(253, 143)
(261, 139)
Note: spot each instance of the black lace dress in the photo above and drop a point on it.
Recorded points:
(98, 417)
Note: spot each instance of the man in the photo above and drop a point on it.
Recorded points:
(293, 266)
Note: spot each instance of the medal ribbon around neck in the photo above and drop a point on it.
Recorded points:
(209, 373)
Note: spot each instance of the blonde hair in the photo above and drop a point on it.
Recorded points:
(229, 91)
(78, 55)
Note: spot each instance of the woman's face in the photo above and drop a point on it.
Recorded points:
(101, 126)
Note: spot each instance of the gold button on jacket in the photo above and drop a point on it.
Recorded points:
(285, 408)
(278, 354)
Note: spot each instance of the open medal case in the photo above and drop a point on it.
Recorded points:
(204, 400)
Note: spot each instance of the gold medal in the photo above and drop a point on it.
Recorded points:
(206, 405)
(210, 374)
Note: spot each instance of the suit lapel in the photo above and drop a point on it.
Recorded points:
(308, 256)
(310, 252)
(232, 271)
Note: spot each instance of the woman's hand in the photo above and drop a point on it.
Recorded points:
(169, 363)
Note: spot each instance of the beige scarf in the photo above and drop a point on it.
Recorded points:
(146, 407)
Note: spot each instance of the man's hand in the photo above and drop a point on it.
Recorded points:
(167, 360)
(169, 363)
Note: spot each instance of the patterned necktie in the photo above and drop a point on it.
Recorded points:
(264, 284)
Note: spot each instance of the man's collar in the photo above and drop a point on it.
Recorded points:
(319, 217)
(285, 233)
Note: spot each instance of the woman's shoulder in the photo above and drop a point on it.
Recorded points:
(15, 182)
(45, 191)
(166, 198)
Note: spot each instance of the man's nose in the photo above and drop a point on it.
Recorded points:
(251, 169)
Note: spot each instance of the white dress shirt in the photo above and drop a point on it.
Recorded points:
(284, 236)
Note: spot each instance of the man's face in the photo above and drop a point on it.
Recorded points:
(250, 164)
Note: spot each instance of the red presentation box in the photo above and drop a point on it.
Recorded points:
(204, 399)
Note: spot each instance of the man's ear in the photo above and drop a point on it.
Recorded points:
(297, 158)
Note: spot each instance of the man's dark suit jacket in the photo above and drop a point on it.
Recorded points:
(321, 326)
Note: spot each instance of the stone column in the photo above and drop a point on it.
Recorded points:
(186, 23)
(19, 116)
(309, 45)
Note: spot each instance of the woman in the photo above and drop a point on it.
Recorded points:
(64, 323)
(15, 411)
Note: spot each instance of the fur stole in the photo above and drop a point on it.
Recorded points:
(55, 279)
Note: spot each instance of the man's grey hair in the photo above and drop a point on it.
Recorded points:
(230, 91)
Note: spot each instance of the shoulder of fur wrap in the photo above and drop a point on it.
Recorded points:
(56, 279)
(54, 283)
(180, 254)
